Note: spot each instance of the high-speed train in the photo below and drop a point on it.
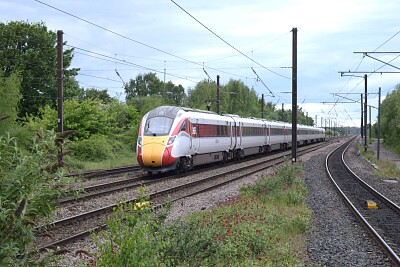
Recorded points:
(177, 138)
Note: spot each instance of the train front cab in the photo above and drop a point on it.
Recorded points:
(155, 144)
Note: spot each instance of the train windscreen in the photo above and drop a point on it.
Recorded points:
(157, 126)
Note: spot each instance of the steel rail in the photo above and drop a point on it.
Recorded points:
(390, 252)
(258, 167)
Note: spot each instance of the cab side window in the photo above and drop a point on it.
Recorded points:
(183, 126)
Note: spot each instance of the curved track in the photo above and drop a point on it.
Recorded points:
(381, 221)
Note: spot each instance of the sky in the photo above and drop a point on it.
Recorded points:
(188, 41)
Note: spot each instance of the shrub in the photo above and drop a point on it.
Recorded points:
(29, 191)
(132, 236)
(256, 228)
(96, 148)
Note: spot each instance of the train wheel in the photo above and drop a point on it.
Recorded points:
(237, 155)
(184, 165)
(224, 157)
(149, 173)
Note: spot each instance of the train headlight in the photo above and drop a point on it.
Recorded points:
(171, 140)
(139, 141)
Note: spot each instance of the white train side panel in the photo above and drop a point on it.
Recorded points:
(173, 138)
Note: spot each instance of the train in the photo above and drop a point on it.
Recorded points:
(177, 138)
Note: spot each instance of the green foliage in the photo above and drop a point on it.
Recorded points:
(390, 120)
(254, 229)
(143, 85)
(122, 116)
(29, 190)
(87, 118)
(145, 104)
(98, 95)
(96, 148)
(102, 131)
(132, 236)
(121, 159)
(9, 97)
(202, 94)
(148, 85)
(174, 95)
(385, 169)
(47, 119)
(237, 98)
(242, 100)
(72, 90)
(30, 49)
(258, 228)
(285, 178)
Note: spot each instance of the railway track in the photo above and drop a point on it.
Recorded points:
(104, 172)
(109, 187)
(378, 214)
(64, 231)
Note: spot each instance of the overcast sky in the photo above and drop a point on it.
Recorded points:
(140, 36)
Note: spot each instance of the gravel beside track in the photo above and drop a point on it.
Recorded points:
(364, 170)
(336, 238)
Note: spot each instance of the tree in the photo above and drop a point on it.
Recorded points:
(144, 104)
(72, 89)
(175, 95)
(390, 120)
(203, 94)
(9, 97)
(243, 101)
(235, 98)
(270, 112)
(30, 49)
(143, 85)
(99, 95)
(87, 118)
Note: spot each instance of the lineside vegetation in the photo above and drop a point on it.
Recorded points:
(263, 226)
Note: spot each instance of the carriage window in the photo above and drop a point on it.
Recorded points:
(158, 126)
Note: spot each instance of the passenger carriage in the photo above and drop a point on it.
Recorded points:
(175, 138)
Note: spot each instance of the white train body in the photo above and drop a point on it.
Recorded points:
(174, 138)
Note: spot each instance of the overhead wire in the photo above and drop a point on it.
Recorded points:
(387, 41)
(223, 40)
(123, 61)
(374, 70)
(128, 38)
(160, 50)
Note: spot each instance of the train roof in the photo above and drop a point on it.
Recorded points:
(172, 111)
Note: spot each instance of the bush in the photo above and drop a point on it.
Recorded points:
(256, 228)
(29, 191)
(96, 148)
(132, 237)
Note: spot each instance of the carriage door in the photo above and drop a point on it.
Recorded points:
(194, 137)
(265, 129)
(239, 133)
(285, 133)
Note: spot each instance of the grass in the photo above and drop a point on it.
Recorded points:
(385, 169)
(123, 159)
(265, 225)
